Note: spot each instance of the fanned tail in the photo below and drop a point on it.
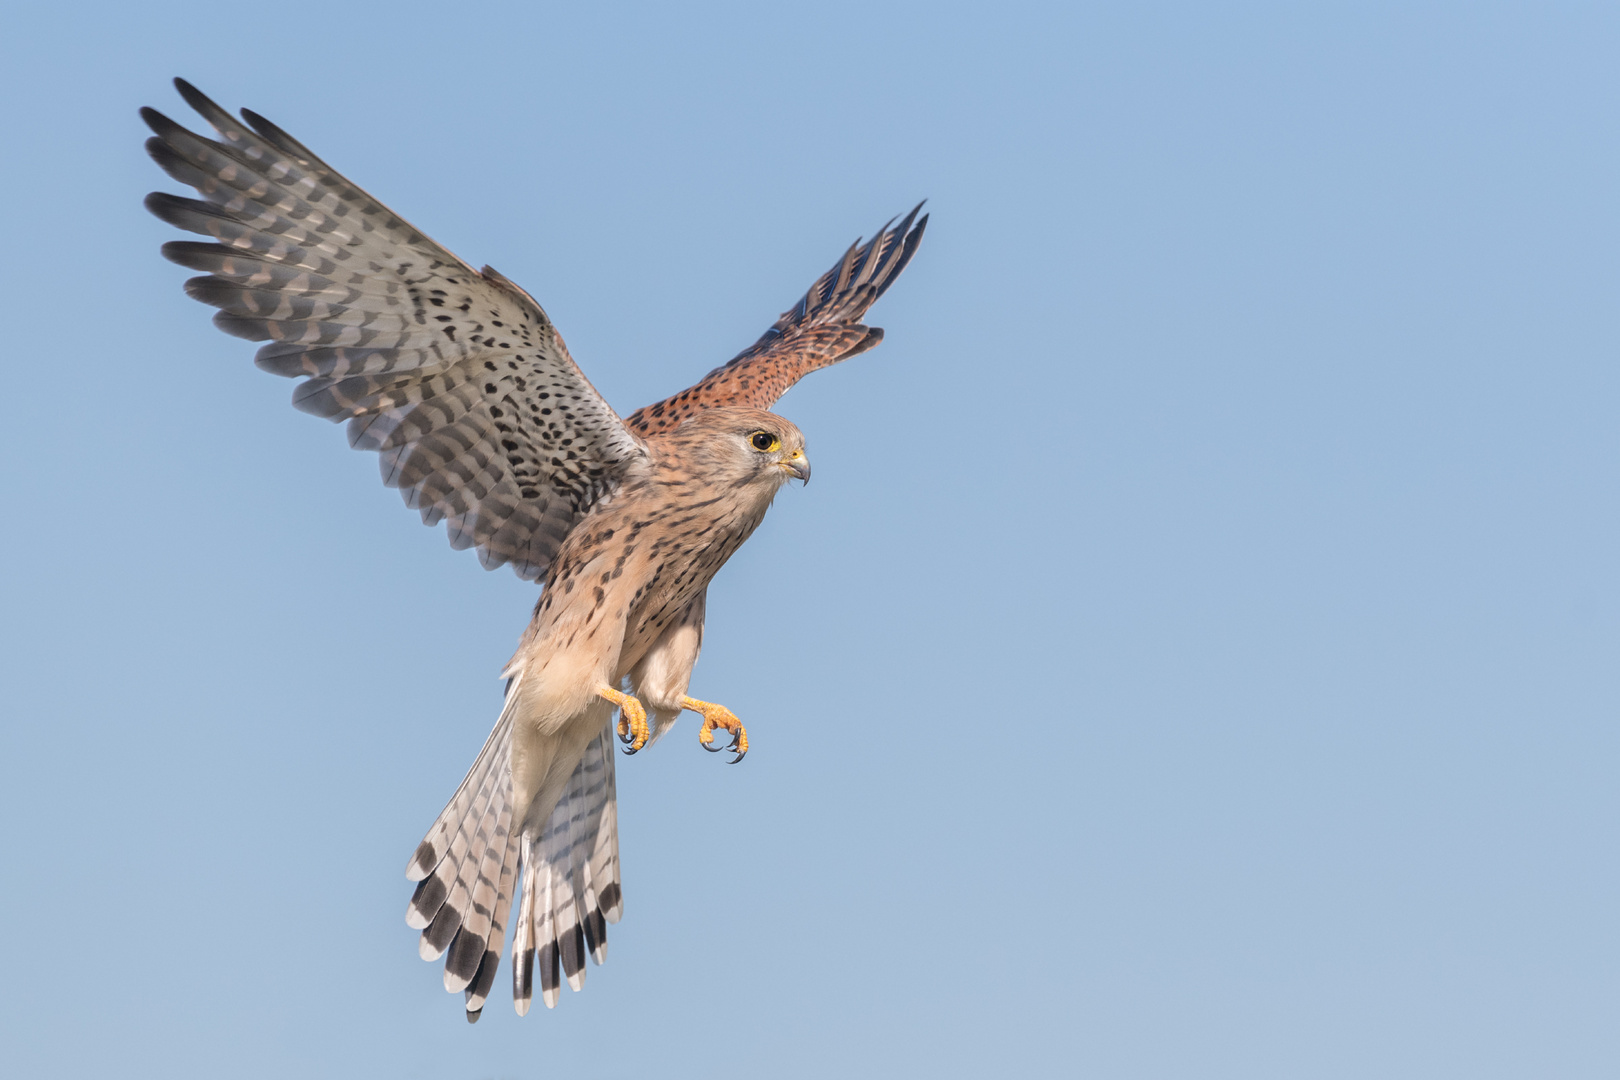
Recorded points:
(476, 857)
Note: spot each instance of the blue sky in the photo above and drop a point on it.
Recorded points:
(1195, 657)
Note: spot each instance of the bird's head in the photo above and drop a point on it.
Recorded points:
(747, 447)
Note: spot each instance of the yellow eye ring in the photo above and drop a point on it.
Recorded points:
(764, 441)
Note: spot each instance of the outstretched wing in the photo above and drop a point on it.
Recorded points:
(456, 377)
(821, 329)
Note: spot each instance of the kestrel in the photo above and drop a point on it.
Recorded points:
(460, 382)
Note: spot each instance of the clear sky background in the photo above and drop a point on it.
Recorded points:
(1195, 657)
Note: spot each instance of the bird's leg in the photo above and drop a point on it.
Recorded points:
(632, 719)
(718, 716)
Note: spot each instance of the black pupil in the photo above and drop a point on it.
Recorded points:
(762, 441)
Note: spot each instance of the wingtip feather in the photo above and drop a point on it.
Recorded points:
(272, 133)
(158, 122)
(204, 106)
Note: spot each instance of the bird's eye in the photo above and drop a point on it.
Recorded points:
(765, 441)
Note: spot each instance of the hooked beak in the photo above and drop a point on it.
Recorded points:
(798, 465)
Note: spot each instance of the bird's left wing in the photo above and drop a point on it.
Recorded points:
(823, 328)
(455, 376)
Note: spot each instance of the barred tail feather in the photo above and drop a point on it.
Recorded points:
(476, 891)
(546, 938)
(523, 937)
(562, 852)
(570, 882)
(433, 893)
(464, 869)
(478, 992)
(452, 878)
(492, 758)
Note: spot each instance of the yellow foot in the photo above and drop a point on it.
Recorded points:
(633, 730)
(718, 716)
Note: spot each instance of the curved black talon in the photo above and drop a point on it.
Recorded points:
(739, 757)
(714, 747)
(627, 736)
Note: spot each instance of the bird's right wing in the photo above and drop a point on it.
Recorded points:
(455, 376)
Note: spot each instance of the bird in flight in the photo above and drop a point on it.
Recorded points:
(482, 420)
